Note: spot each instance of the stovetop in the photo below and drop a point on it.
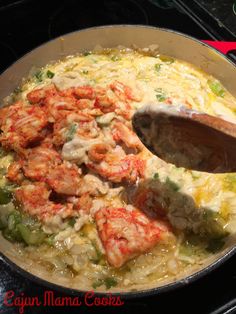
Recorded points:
(25, 24)
(217, 17)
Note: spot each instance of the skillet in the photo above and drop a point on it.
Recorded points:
(170, 43)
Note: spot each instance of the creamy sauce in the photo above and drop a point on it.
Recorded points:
(200, 207)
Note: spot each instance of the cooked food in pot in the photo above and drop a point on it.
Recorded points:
(81, 197)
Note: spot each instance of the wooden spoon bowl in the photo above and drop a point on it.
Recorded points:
(187, 138)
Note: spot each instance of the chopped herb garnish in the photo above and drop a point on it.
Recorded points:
(3, 172)
(174, 186)
(110, 282)
(71, 132)
(72, 221)
(160, 95)
(215, 245)
(85, 72)
(2, 152)
(87, 53)
(97, 283)
(39, 76)
(5, 196)
(35, 237)
(50, 74)
(187, 249)
(210, 215)
(50, 239)
(157, 67)
(17, 90)
(230, 182)
(194, 175)
(115, 58)
(216, 88)
(17, 227)
(156, 176)
(98, 253)
(166, 59)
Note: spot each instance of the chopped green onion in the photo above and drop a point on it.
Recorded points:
(174, 186)
(17, 90)
(110, 282)
(215, 245)
(50, 239)
(39, 76)
(14, 219)
(97, 283)
(71, 132)
(216, 88)
(85, 71)
(156, 176)
(115, 58)
(21, 228)
(31, 237)
(3, 223)
(166, 59)
(210, 214)
(230, 182)
(12, 235)
(98, 253)
(3, 172)
(157, 67)
(160, 95)
(50, 74)
(187, 249)
(87, 53)
(2, 152)
(72, 221)
(5, 196)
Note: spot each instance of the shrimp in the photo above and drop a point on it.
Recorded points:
(22, 125)
(85, 104)
(98, 152)
(39, 162)
(122, 133)
(74, 123)
(105, 100)
(64, 179)
(57, 106)
(59, 102)
(85, 92)
(84, 203)
(80, 92)
(148, 200)
(35, 200)
(126, 233)
(14, 172)
(124, 110)
(92, 185)
(124, 92)
(37, 96)
(115, 168)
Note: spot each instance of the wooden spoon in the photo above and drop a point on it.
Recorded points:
(187, 138)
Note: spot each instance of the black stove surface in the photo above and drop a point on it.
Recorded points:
(25, 24)
(218, 17)
(224, 14)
